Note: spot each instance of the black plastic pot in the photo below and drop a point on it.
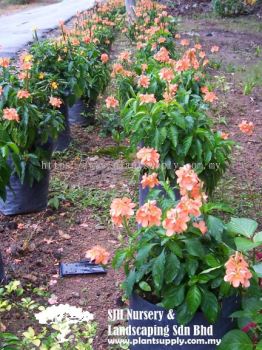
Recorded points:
(64, 138)
(82, 113)
(198, 323)
(23, 198)
(2, 272)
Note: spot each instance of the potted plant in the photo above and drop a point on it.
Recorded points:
(175, 261)
(27, 131)
(247, 335)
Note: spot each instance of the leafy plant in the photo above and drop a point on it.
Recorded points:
(26, 129)
(231, 7)
(181, 133)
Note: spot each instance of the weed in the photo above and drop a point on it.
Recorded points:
(114, 152)
(82, 197)
(252, 78)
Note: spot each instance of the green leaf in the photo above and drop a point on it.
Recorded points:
(175, 248)
(207, 208)
(118, 259)
(130, 282)
(211, 260)
(145, 286)
(236, 340)
(191, 266)
(244, 244)
(258, 237)
(172, 268)
(158, 270)
(183, 314)
(258, 269)
(215, 227)
(163, 135)
(193, 299)
(187, 144)
(245, 227)
(194, 247)
(209, 306)
(144, 252)
(173, 135)
(259, 346)
(173, 296)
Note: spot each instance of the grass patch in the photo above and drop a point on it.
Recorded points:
(81, 197)
(243, 199)
(252, 78)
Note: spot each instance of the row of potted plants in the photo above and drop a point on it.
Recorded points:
(35, 93)
(182, 256)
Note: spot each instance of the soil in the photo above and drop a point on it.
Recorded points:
(33, 245)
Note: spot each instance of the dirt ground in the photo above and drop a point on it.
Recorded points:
(89, 177)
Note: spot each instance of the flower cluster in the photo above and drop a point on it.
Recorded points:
(176, 219)
(237, 271)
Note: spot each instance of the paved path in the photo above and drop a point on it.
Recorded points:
(16, 29)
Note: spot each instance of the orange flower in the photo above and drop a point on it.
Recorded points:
(246, 128)
(104, 58)
(149, 180)
(139, 45)
(177, 36)
(144, 81)
(190, 206)
(198, 46)
(75, 42)
(86, 39)
(162, 55)
(149, 215)
(184, 42)
(148, 157)
(161, 40)
(201, 226)
(144, 67)
(124, 56)
(11, 114)
(111, 102)
(1, 90)
(154, 46)
(204, 89)
(4, 62)
(214, 49)
(170, 92)
(186, 178)
(237, 271)
(210, 97)
(202, 54)
(55, 102)
(176, 221)
(23, 94)
(205, 62)
(98, 254)
(117, 69)
(121, 209)
(166, 74)
(182, 65)
(147, 98)
(224, 135)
